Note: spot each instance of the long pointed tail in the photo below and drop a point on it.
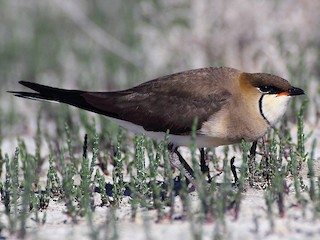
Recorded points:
(72, 97)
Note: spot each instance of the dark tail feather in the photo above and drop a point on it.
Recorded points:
(72, 97)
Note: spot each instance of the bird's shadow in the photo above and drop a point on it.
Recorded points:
(177, 187)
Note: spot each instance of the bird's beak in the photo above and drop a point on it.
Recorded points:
(295, 91)
(292, 92)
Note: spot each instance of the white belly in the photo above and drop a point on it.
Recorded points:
(179, 140)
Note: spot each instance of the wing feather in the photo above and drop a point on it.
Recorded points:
(171, 102)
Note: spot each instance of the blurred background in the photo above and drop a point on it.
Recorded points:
(108, 45)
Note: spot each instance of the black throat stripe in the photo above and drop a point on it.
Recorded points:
(261, 111)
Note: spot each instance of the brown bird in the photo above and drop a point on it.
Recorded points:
(230, 106)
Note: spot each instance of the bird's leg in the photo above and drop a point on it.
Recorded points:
(251, 162)
(253, 149)
(203, 165)
(252, 154)
(233, 170)
(178, 162)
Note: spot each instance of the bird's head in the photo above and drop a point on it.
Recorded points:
(272, 92)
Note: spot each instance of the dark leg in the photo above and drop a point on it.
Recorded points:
(251, 156)
(203, 165)
(253, 150)
(233, 170)
(178, 162)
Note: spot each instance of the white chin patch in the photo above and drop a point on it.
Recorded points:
(273, 107)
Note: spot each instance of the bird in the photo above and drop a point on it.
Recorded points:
(230, 106)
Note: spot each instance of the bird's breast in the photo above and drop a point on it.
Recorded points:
(235, 123)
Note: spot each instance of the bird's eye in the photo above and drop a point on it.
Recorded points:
(265, 89)
(269, 89)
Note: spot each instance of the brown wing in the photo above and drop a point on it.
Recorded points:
(170, 102)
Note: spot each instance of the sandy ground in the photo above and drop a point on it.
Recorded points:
(253, 221)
